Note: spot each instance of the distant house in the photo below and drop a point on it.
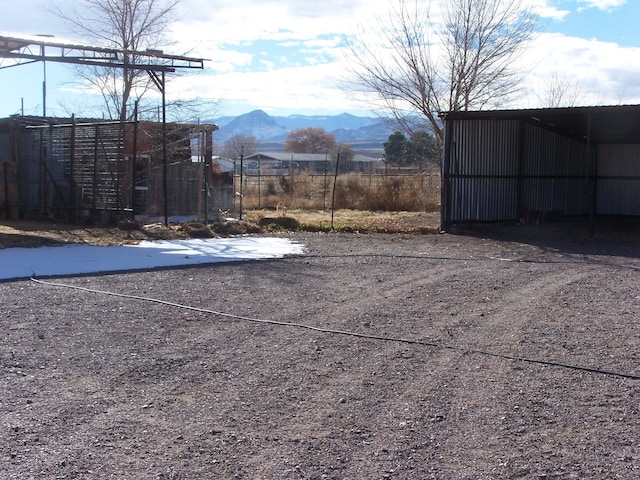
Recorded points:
(222, 165)
(280, 163)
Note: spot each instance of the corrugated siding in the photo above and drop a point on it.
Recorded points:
(482, 171)
(5, 148)
(518, 167)
(555, 173)
(618, 172)
(498, 170)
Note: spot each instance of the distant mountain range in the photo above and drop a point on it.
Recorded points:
(360, 132)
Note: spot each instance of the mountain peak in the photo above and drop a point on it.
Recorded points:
(257, 117)
(348, 128)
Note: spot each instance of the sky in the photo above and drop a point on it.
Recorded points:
(16, 263)
(286, 56)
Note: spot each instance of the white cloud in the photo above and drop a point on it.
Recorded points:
(284, 56)
(551, 12)
(605, 5)
(605, 72)
(289, 89)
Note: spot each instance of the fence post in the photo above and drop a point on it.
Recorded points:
(324, 181)
(241, 169)
(72, 184)
(333, 196)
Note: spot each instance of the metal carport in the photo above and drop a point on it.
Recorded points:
(534, 165)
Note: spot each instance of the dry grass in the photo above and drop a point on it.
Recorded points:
(362, 202)
(353, 191)
(354, 220)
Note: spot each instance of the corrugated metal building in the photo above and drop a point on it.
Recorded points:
(534, 165)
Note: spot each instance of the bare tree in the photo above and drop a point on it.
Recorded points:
(241, 144)
(128, 25)
(560, 92)
(462, 61)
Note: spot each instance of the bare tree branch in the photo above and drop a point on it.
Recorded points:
(129, 25)
(241, 145)
(560, 92)
(465, 61)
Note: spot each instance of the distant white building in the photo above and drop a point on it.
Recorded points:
(280, 163)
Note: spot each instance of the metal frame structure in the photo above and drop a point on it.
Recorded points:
(36, 48)
(87, 171)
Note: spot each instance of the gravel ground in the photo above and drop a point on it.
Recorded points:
(498, 355)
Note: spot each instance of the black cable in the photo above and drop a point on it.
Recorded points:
(479, 258)
(342, 332)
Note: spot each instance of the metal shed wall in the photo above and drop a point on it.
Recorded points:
(555, 174)
(537, 164)
(618, 174)
(480, 171)
(513, 170)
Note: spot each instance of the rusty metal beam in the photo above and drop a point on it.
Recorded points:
(40, 48)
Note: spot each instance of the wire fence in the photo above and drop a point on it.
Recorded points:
(356, 191)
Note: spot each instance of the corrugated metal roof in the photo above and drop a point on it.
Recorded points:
(305, 157)
(602, 124)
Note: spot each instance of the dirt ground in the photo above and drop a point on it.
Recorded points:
(503, 353)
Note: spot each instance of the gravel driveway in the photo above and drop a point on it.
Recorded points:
(372, 356)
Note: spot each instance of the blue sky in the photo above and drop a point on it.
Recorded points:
(612, 21)
(283, 56)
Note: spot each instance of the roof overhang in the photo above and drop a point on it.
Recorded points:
(604, 124)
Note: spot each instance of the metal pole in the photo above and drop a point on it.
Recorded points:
(324, 181)
(448, 151)
(291, 188)
(233, 176)
(134, 161)
(72, 183)
(7, 208)
(44, 85)
(594, 182)
(241, 169)
(333, 195)
(207, 165)
(165, 186)
(94, 191)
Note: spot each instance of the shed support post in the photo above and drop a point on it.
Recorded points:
(594, 170)
(520, 180)
(445, 200)
(73, 201)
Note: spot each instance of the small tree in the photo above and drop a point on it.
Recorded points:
(560, 92)
(310, 140)
(422, 149)
(346, 156)
(241, 144)
(395, 149)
